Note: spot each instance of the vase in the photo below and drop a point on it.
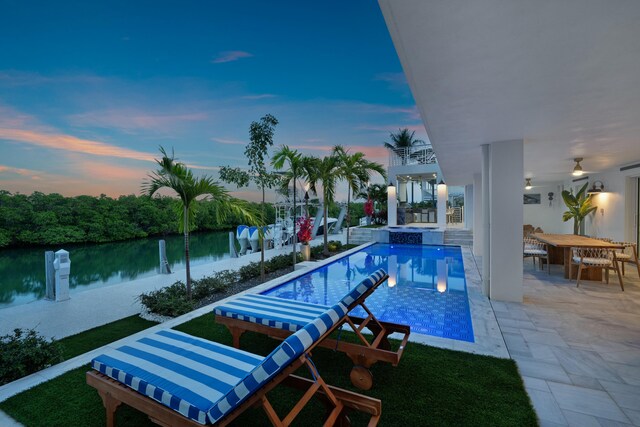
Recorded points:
(305, 250)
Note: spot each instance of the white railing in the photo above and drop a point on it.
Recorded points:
(418, 155)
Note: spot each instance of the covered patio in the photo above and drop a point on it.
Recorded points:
(517, 95)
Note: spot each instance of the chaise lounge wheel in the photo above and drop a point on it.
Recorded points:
(361, 377)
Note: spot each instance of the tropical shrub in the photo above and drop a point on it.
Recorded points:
(25, 352)
(210, 285)
(169, 301)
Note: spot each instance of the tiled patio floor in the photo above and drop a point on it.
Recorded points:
(578, 349)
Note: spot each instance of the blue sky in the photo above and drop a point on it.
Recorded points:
(89, 90)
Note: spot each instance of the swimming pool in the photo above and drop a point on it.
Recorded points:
(426, 288)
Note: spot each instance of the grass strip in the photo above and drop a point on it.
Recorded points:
(75, 345)
(430, 387)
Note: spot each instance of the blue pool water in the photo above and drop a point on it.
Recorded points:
(426, 288)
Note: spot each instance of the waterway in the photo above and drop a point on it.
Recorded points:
(22, 274)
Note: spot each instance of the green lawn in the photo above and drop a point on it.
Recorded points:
(431, 386)
(83, 342)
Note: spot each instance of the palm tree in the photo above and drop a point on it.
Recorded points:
(294, 159)
(176, 176)
(325, 171)
(355, 169)
(402, 140)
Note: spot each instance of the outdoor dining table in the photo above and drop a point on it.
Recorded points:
(559, 247)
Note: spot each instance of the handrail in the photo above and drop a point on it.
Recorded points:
(417, 155)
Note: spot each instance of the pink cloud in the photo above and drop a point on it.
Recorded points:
(130, 120)
(230, 56)
(29, 173)
(72, 144)
(109, 172)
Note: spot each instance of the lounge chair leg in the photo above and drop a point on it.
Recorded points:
(361, 377)
(236, 333)
(606, 274)
(623, 263)
(110, 405)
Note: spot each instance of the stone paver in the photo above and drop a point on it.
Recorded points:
(578, 349)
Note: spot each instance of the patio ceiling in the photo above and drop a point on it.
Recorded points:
(564, 76)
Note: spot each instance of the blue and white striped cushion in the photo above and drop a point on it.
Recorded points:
(363, 287)
(286, 314)
(185, 373)
(280, 313)
(289, 350)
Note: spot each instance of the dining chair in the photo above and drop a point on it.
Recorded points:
(623, 256)
(536, 249)
(587, 258)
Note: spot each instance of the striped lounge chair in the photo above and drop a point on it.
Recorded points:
(181, 380)
(279, 318)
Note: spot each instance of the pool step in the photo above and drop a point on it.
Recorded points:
(458, 237)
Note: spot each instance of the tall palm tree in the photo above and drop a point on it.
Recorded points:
(176, 176)
(355, 169)
(294, 160)
(402, 140)
(325, 172)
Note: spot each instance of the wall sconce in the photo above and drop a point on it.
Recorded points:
(550, 197)
(441, 182)
(577, 170)
(527, 184)
(597, 187)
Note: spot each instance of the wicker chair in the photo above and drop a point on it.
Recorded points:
(623, 256)
(595, 258)
(536, 249)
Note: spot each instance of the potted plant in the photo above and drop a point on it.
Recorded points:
(304, 236)
(579, 207)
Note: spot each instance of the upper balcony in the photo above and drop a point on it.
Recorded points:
(417, 155)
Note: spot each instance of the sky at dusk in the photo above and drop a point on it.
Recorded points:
(89, 90)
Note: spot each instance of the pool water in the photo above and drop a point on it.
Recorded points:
(426, 288)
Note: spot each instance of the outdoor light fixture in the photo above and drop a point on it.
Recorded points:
(577, 170)
(597, 187)
(441, 182)
(527, 184)
(391, 184)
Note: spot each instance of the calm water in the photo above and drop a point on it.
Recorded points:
(22, 276)
(426, 288)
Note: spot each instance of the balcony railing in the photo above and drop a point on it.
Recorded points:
(418, 155)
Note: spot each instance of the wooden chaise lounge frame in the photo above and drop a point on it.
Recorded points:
(370, 350)
(337, 400)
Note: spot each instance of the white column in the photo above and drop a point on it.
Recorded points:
(477, 214)
(392, 206)
(486, 218)
(468, 206)
(442, 206)
(506, 216)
